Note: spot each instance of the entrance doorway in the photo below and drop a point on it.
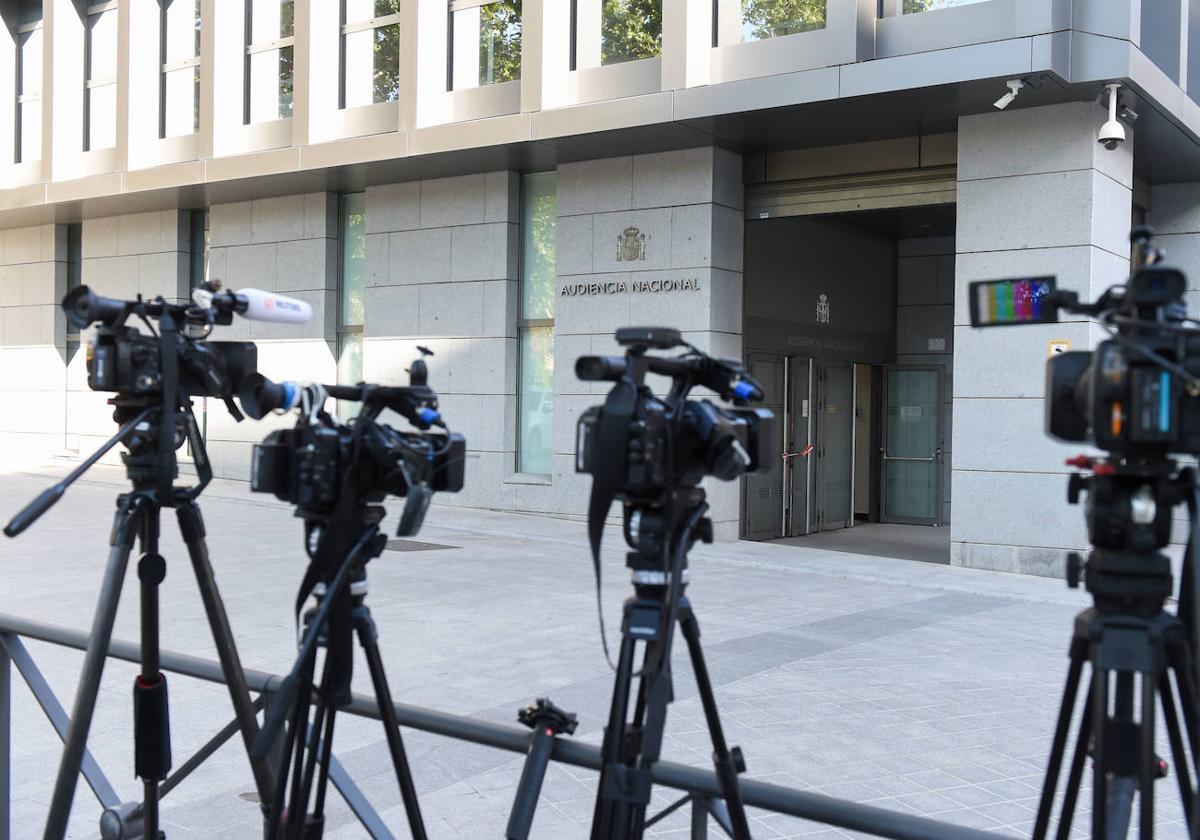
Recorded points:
(848, 325)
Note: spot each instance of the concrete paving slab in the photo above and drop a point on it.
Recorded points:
(923, 688)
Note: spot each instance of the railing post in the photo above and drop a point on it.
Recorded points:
(699, 817)
(5, 739)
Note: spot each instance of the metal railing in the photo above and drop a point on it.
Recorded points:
(700, 787)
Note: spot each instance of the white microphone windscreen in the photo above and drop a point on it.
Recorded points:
(268, 306)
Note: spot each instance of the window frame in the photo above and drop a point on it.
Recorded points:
(165, 67)
(716, 25)
(895, 8)
(93, 9)
(454, 6)
(21, 99)
(573, 44)
(253, 48)
(349, 28)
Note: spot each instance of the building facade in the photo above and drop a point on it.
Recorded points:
(808, 187)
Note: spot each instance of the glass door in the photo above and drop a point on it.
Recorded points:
(834, 503)
(912, 454)
(763, 499)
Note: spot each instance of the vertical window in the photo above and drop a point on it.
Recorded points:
(615, 31)
(28, 145)
(270, 52)
(198, 270)
(179, 68)
(370, 59)
(100, 77)
(757, 20)
(351, 280)
(535, 453)
(485, 42)
(74, 271)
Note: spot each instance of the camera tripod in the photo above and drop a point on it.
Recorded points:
(1134, 647)
(630, 749)
(340, 610)
(152, 471)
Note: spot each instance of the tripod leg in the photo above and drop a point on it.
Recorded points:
(313, 751)
(151, 716)
(725, 761)
(387, 711)
(124, 529)
(650, 721)
(293, 742)
(1099, 774)
(318, 811)
(296, 806)
(614, 738)
(1061, 731)
(1075, 777)
(191, 526)
(1146, 766)
(1178, 754)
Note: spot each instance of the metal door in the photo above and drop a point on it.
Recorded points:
(763, 493)
(833, 504)
(911, 485)
(798, 449)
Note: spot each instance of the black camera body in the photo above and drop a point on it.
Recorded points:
(305, 466)
(123, 360)
(1119, 397)
(716, 441)
(659, 443)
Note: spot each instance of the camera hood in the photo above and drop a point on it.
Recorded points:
(84, 307)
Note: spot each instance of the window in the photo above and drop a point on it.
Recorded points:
(351, 280)
(628, 30)
(198, 270)
(535, 453)
(270, 53)
(74, 272)
(28, 140)
(370, 52)
(485, 42)
(179, 68)
(738, 21)
(909, 7)
(100, 77)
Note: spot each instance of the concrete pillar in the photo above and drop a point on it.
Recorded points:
(441, 271)
(644, 240)
(1037, 195)
(33, 279)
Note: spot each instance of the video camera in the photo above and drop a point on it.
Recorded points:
(1138, 393)
(320, 462)
(673, 439)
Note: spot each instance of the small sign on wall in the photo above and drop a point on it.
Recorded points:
(937, 345)
(1057, 346)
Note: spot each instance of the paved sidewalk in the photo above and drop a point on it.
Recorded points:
(922, 688)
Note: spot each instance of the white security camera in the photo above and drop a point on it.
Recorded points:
(1112, 133)
(1014, 88)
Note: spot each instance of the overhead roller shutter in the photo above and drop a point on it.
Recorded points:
(846, 193)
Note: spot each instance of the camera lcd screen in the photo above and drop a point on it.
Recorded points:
(996, 303)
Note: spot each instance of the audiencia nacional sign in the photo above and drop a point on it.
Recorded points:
(620, 287)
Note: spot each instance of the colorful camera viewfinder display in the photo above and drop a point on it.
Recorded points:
(999, 302)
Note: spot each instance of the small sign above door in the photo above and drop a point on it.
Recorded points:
(1055, 346)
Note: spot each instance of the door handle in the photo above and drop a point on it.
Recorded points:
(787, 456)
(932, 457)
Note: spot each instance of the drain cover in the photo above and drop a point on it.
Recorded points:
(414, 545)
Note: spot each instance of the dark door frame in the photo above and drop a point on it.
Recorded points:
(939, 450)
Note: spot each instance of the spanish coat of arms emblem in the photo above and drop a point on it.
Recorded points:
(631, 245)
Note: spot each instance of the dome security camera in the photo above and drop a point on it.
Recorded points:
(1112, 133)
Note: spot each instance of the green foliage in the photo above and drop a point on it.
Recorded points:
(540, 264)
(386, 77)
(630, 30)
(500, 42)
(771, 18)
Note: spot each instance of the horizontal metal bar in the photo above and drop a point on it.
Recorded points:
(265, 46)
(372, 23)
(802, 804)
(887, 457)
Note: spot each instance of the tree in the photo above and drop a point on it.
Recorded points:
(630, 30)
(772, 18)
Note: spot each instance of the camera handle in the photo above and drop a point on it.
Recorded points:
(33, 511)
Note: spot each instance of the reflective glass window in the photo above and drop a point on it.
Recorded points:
(758, 20)
(100, 76)
(179, 90)
(485, 42)
(370, 52)
(913, 6)
(29, 83)
(270, 53)
(535, 451)
(630, 30)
